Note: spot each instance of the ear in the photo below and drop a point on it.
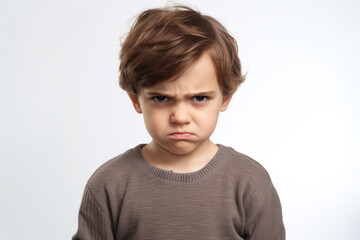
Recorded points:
(136, 103)
(225, 102)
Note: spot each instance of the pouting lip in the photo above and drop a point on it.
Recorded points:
(181, 135)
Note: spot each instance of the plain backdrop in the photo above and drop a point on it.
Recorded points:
(62, 113)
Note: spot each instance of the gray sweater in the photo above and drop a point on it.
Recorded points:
(232, 197)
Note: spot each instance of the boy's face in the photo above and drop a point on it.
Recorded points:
(181, 115)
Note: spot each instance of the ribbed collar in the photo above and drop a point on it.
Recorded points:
(179, 177)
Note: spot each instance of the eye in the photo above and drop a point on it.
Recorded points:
(160, 99)
(200, 99)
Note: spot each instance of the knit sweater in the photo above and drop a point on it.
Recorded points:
(232, 197)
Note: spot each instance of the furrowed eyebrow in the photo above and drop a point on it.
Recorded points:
(209, 93)
(154, 94)
(205, 93)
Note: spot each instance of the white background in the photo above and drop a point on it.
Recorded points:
(62, 113)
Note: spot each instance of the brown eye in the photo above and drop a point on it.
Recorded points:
(160, 99)
(200, 99)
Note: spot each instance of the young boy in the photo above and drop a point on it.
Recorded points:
(180, 69)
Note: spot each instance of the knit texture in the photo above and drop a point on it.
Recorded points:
(232, 197)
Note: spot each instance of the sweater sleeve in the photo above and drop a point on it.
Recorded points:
(94, 223)
(265, 220)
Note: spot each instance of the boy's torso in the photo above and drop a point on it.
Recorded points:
(145, 202)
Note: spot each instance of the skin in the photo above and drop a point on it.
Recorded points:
(180, 116)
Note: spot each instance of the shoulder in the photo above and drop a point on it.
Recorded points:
(252, 180)
(242, 165)
(115, 170)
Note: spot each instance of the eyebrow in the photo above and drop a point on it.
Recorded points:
(202, 93)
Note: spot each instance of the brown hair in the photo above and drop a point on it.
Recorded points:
(163, 43)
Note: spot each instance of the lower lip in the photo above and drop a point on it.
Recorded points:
(181, 136)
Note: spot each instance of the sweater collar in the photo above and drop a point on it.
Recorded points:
(179, 177)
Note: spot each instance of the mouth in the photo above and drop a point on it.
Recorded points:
(181, 135)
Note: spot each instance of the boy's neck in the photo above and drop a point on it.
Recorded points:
(160, 157)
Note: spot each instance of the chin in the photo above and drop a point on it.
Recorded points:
(180, 148)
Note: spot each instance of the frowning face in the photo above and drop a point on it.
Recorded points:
(181, 115)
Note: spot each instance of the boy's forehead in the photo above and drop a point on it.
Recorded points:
(200, 77)
(183, 86)
(177, 86)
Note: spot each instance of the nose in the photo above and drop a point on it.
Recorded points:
(180, 114)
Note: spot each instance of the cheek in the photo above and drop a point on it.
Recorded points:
(208, 123)
(154, 121)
